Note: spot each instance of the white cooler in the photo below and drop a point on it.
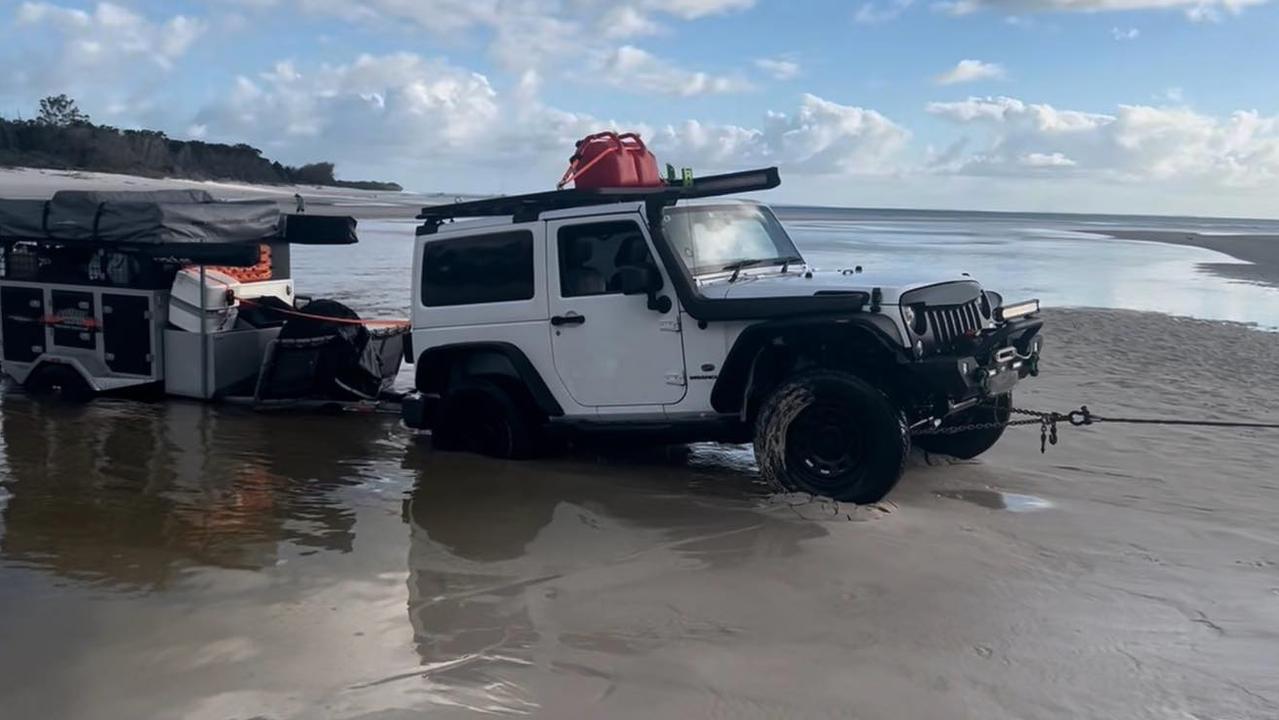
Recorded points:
(221, 301)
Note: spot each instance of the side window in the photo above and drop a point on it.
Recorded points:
(478, 269)
(591, 254)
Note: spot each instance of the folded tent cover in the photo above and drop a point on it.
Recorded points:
(145, 218)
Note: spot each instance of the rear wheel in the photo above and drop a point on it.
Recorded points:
(969, 444)
(60, 381)
(833, 434)
(487, 418)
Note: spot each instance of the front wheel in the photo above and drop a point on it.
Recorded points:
(833, 434)
(993, 414)
(486, 418)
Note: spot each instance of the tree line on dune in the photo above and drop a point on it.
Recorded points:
(64, 138)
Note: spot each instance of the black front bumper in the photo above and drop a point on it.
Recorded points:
(987, 365)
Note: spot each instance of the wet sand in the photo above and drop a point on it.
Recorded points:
(174, 560)
(1261, 251)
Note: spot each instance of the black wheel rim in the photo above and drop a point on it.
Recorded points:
(826, 443)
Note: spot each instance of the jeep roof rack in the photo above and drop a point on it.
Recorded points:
(524, 208)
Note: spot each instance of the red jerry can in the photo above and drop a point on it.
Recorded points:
(647, 173)
(607, 159)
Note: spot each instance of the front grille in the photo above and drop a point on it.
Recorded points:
(949, 323)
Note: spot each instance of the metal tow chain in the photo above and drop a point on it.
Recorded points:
(1048, 421)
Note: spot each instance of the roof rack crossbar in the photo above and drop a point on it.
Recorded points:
(528, 207)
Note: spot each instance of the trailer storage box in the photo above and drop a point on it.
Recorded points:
(221, 305)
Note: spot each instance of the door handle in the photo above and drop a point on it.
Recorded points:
(561, 320)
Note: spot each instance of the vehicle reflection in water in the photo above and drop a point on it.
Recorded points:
(154, 555)
(131, 493)
(510, 564)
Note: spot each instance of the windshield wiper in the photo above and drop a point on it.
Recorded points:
(740, 265)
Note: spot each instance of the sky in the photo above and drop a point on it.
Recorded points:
(1124, 106)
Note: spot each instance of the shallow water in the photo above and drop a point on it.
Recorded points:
(1058, 261)
(182, 550)
(180, 560)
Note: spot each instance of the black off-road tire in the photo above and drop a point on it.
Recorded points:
(488, 418)
(831, 433)
(60, 381)
(971, 443)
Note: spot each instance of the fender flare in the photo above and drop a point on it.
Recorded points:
(46, 361)
(729, 393)
(434, 370)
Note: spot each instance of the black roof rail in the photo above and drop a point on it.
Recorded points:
(524, 208)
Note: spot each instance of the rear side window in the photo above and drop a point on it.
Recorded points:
(478, 269)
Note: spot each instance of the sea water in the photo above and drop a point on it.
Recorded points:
(1064, 261)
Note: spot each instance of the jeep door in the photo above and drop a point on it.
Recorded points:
(610, 349)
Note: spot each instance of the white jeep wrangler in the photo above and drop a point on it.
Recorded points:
(651, 312)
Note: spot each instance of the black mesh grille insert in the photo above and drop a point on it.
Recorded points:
(949, 323)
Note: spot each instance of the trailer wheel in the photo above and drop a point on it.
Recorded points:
(60, 381)
(833, 434)
(482, 416)
(971, 443)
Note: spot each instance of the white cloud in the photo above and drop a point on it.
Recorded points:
(522, 33)
(693, 9)
(111, 34)
(625, 21)
(631, 68)
(970, 71)
(109, 57)
(1199, 10)
(1137, 143)
(1055, 159)
(820, 138)
(1122, 34)
(400, 101)
(780, 68)
(870, 13)
(401, 114)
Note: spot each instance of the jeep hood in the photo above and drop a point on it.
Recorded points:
(797, 283)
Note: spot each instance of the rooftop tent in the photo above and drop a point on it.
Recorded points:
(164, 217)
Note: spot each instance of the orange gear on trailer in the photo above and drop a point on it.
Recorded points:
(256, 273)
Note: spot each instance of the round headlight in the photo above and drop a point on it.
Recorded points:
(916, 319)
(908, 314)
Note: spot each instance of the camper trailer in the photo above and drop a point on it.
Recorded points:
(176, 292)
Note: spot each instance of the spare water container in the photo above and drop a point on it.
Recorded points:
(606, 159)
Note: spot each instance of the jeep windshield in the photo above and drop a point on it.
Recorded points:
(727, 238)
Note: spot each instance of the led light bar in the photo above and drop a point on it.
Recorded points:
(1005, 313)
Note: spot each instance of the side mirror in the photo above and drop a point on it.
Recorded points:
(643, 280)
(639, 279)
